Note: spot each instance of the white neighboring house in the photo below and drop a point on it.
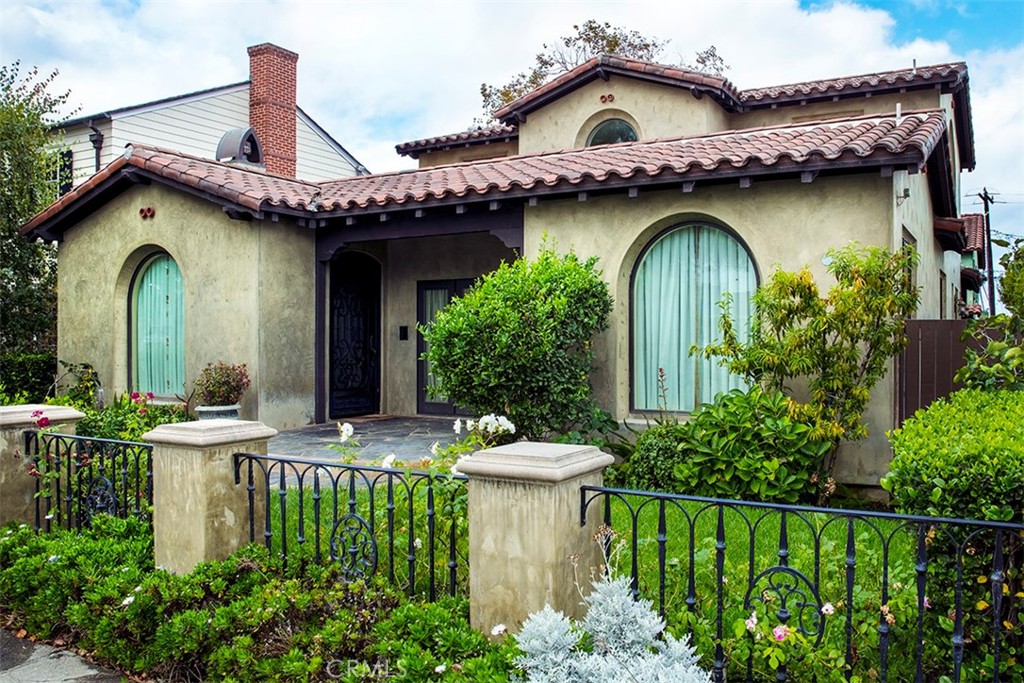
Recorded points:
(195, 123)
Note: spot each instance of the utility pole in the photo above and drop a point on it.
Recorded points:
(987, 199)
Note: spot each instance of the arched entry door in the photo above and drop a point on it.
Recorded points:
(354, 352)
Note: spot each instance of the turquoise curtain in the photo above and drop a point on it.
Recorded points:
(676, 291)
(159, 307)
(433, 301)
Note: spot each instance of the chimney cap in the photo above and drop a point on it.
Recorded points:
(263, 48)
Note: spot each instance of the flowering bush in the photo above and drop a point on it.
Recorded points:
(222, 384)
(485, 432)
(347, 447)
(128, 417)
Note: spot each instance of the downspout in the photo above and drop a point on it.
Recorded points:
(96, 138)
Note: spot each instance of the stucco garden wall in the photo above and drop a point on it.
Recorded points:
(784, 223)
(247, 289)
(657, 111)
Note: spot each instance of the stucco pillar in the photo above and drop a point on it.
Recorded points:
(199, 513)
(524, 526)
(17, 487)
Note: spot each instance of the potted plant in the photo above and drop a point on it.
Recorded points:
(220, 387)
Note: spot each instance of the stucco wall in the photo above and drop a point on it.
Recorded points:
(410, 261)
(877, 104)
(247, 289)
(785, 223)
(656, 110)
(459, 154)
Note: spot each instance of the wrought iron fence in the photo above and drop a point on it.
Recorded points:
(78, 477)
(777, 592)
(407, 526)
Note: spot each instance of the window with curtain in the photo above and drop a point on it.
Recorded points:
(158, 327)
(677, 287)
(611, 132)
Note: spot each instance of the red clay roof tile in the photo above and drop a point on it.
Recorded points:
(834, 142)
(476, 136)
(790, 148)
(974, 228)
(954, 71)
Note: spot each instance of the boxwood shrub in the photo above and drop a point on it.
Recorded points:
(240, 620)
(744, 445)
(961, 457)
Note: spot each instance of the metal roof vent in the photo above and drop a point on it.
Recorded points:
(240, 146)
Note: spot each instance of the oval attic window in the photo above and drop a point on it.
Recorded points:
(610, 132)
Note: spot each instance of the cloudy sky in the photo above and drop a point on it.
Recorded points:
(378, 73)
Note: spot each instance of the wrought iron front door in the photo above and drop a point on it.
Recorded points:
(354, 363)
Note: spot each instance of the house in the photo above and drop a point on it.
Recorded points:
(685, 187)
(974, 263)
(196, 123)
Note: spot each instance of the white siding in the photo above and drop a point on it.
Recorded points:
(193, 127)
(317, 159)
(76, 138)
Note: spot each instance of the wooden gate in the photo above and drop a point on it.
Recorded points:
(927, 366)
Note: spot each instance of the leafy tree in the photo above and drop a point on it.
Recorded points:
(518, 343)
(592, 38)
(28, 302)
(1011, 286)
(840, 344)
(996, 360)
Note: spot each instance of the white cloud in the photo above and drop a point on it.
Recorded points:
(378, 73)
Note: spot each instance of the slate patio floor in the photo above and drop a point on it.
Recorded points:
(409, 438)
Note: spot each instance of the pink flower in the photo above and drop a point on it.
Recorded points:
(142, 411)
(150, 394)
(43, 422)
(36, 413)
(781, 632)
(135, 395)
(751, 623)
(927, 603)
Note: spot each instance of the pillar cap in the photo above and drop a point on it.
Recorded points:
(528, 461)
(208, 433)
(13, 417)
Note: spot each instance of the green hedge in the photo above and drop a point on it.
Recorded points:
(744, 446)
(961, 457)
(239, 620)
(31, 373)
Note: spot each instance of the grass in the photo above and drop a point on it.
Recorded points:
(791, 582)
(374, 521)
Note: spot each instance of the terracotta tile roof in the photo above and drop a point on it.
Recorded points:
(250, 188)
(954, 72)
(974, 227)
(476, 136)
(604, 65)
(953, 75)
(843, 143)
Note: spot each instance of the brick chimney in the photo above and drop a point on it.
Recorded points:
(272, 72)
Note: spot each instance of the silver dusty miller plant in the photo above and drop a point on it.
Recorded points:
(616, 642)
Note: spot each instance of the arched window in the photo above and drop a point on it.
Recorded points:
(677, 285)
(158, 327)
(610, 132)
